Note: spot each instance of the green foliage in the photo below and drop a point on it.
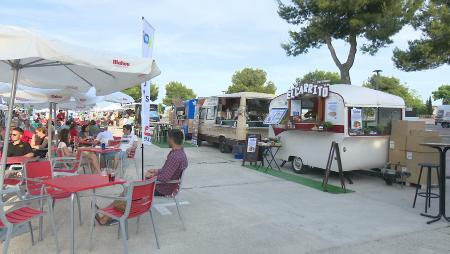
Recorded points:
(161, 109)
(318, 75)
(429, 106)
(433, 48)
(393, 86)
(321, 21)
(136, 94)
(176, 90)
(443, 93)
(251, 80)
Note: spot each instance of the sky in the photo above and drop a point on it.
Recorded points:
(202, 43)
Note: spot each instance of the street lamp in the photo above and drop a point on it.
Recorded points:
(378, 75)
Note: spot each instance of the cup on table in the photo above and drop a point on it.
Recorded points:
(103, 146)
(111, 176)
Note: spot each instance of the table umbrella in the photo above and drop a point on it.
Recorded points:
(34, 60)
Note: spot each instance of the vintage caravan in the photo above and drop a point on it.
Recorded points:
(226, 119)
(357, 118)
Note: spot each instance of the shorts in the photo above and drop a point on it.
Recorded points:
(119, 155)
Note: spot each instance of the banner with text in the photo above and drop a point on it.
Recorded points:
(148, 36)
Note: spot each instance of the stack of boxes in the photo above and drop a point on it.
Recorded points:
(406, 151)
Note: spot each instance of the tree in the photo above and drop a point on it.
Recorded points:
(176, 90)
(429, 106)
(251, 80)
(161, 109)
(393, 86)
(318, 75)
(443, 93)
(136, 93)
(321, 22)
(432, 49)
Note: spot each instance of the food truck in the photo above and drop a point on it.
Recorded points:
(183, 116)
(227, 119)
(357, 118)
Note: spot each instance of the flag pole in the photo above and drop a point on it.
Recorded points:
(142, 161)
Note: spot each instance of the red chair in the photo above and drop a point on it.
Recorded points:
(114, 143)
(38, 171)
(27, 136)
(117, 138)
(68, 165)
(23, 215)
(139, 199)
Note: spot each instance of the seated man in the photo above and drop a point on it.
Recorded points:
(104, 136)
(174, 166)
(17, 147)
(127, 143)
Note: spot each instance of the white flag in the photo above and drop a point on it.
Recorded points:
(148, 36)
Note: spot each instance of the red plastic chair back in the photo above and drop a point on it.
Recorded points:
(142, 197)
(117, 138)
(27, 136)
(40, 170)
(113, 142)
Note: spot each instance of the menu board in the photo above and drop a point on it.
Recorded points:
(251, 152)
(275, 116)
(332, 112)
(356, 119)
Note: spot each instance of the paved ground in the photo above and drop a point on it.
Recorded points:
(231, 209)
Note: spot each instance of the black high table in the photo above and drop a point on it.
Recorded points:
(442, 148)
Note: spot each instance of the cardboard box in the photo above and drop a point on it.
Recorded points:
(403, 128)
(397, 157)
(412, 163)
(414, 141)
(397, 142)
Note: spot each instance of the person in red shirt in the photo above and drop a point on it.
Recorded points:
(73, 132)
(61, 116)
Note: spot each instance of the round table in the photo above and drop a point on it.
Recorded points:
(442, 148)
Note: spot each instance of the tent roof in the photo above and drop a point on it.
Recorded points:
(48, 63)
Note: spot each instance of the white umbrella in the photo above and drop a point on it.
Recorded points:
(34, 60)
(119, 97)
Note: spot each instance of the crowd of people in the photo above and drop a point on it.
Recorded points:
(71, 134)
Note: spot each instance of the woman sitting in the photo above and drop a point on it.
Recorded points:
(65, 152)
(84, 134)
(39, 142)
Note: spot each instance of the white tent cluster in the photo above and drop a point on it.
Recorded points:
(63, 73)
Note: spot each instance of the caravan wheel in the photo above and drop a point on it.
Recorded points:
(298, 166)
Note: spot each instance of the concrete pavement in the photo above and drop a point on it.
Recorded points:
(231, 209)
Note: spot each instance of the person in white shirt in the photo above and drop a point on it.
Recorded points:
(104, 136)
(128, 142)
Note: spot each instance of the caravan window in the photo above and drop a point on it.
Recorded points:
(371, 121)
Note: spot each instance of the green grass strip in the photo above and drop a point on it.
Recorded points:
(299, 179)
(187, 144)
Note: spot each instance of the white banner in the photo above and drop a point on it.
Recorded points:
(148, 36)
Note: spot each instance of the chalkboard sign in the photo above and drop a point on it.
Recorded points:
(251, 148)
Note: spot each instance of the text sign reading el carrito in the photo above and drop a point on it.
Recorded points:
(312, 89)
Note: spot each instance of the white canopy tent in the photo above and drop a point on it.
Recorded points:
(29, 58)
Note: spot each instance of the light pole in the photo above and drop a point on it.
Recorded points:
(378, 75)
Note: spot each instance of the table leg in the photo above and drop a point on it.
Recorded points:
(273, 158)
(72, 224)
(442, 180)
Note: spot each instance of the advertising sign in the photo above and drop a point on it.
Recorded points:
(275, 116)
(356, 119)
(148, 33)
(298, 90)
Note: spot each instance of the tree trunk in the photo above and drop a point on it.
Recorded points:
(345, 76)
(344, 68)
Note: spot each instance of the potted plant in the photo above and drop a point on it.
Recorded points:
(326, 125)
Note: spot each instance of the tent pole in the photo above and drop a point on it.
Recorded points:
(49, 130)
(142, 161)
(15, 75)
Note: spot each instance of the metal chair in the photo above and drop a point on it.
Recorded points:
(139, 199)
(38, 171)
(174, 195)
(63, 165)
(23, 215)
(427, 194)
